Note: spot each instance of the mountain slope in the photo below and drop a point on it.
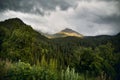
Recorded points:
(20, 41)
(91, 41)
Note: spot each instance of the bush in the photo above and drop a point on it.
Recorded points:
(70, 74)
(24, 71)
(4, 66)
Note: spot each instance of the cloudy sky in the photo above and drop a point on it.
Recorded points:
(88, 17)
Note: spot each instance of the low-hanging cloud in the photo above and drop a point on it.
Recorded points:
(88, 17)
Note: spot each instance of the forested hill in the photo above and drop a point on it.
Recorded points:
(89, 41)
(93, 56)
(20, 41)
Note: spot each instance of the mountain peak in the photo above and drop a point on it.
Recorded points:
(14, 20)
(68, 32)
(67, 29)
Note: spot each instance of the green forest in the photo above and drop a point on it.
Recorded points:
(25, 54)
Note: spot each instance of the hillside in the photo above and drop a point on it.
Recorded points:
(91, 41)
(95, 57)
(16, 37)
(20, 41)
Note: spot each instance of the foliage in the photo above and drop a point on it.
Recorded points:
(24, 71)
(97, 57)
(70, 74)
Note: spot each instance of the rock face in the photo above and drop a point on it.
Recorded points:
(67, 32)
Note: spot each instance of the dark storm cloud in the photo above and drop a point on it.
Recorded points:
(33, 5)
(28, 5)
(51, 4)
(17, 5)
(114, 19)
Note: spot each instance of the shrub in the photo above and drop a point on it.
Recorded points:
(70, 74)
(24, 71)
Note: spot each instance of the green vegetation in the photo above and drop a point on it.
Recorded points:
(24, 71)
(27, 55)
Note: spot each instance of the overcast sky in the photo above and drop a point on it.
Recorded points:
(88, 17)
